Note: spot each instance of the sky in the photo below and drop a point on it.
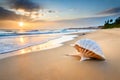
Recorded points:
(57, 13)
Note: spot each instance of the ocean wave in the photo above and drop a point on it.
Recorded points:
(20, 42)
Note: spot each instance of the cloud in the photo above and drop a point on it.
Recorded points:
(51, 11)
(10, 15)
(112, 11)
(27, 5)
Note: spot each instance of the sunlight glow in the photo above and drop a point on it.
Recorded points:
(21, 24)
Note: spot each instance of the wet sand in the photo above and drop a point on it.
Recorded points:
(53, 64)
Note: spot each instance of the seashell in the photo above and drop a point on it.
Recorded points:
(89, 49)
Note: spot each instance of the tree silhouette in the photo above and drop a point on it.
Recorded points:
(117, 21)
(111, 20)
(111, 24)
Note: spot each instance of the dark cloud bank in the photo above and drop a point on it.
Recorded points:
(27, 5)
(7, 14)
(10, 15)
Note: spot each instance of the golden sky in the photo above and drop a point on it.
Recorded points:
(56, 14)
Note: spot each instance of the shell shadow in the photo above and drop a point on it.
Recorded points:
(94, 59)
(77, 57)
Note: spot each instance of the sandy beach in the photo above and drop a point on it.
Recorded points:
(53, 64)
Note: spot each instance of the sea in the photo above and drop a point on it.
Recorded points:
(22, 42)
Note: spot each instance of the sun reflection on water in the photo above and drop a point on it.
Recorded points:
(22, 40)
(40, 47)
(24, 51)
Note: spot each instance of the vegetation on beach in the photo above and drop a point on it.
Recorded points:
(112, 24)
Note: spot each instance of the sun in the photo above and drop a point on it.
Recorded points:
(21, 23)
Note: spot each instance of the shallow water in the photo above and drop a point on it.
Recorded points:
(19, 42)
(43, 46)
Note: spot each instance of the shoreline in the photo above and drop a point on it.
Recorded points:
(52, 64)
(40, 47)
